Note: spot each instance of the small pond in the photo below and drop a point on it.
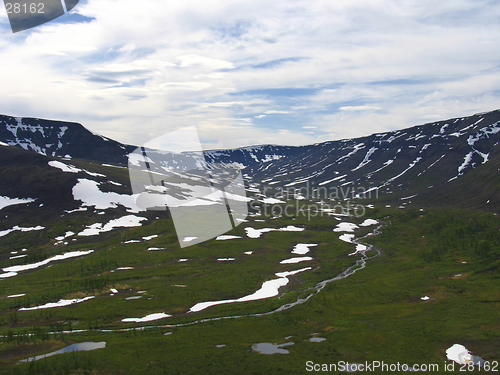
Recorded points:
(317, 339)
(268, 348)
(80, 347)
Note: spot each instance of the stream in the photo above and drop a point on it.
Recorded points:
(358, 265)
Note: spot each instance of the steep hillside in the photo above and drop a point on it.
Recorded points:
(58, 138)
(420, 160)
(428, 164)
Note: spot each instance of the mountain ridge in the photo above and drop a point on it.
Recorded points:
(60, 138)
(418, 161)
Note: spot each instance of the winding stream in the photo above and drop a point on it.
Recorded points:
(358, 265)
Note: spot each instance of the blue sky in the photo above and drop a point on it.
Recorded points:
(254, 72)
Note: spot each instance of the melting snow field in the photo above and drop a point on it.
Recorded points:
(347, 237)
(269, 289)
(6, 201)
(272, 201)
(256, 233)
(64, 167)
(459, 354)
(72, 168)
(7, 274)
(302, 248)
(295, 260)
(226, 237)
(60, 303)
(368, 222)
(345, 227)
(125, 221)
(88, 192)
(22, 229)
(24, 267)
(359, 248)
(16, 295)
(147, 318)
(66, 235)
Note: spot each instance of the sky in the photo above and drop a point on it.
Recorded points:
(291, 72)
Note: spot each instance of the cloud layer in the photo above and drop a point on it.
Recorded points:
(286, 72)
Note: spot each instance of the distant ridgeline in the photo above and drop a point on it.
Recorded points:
(445, 163)
(63, 139)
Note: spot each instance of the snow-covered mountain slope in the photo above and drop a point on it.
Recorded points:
(251, 156)
(58, 138)
(72, 140)
(50, 200)
(404, 162)
(415, 164)
(60, 200)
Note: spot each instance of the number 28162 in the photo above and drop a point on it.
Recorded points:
(17, 8)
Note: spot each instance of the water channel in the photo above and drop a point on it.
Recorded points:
(311, 291)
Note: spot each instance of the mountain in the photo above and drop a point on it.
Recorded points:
(418, 163)
(451, 162)
(82, 259)
(63, 139)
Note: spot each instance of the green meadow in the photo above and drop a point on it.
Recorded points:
(375, 314)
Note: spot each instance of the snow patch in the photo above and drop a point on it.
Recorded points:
(22, 229)
(60, 303)
(88, 192)
(6, 201)
(302, 248)
(268, 289)
(345, 227)
(16, 295)
(147, 318)
(368, 222)
(125, 221)
(24, 267)
(226, 237)
(296, 260)
(271, 201)
(347, 237)
(366, 159)
(256, 233)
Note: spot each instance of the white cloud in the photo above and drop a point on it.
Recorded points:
(342, 69)
(358, 108)
(275, 112)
